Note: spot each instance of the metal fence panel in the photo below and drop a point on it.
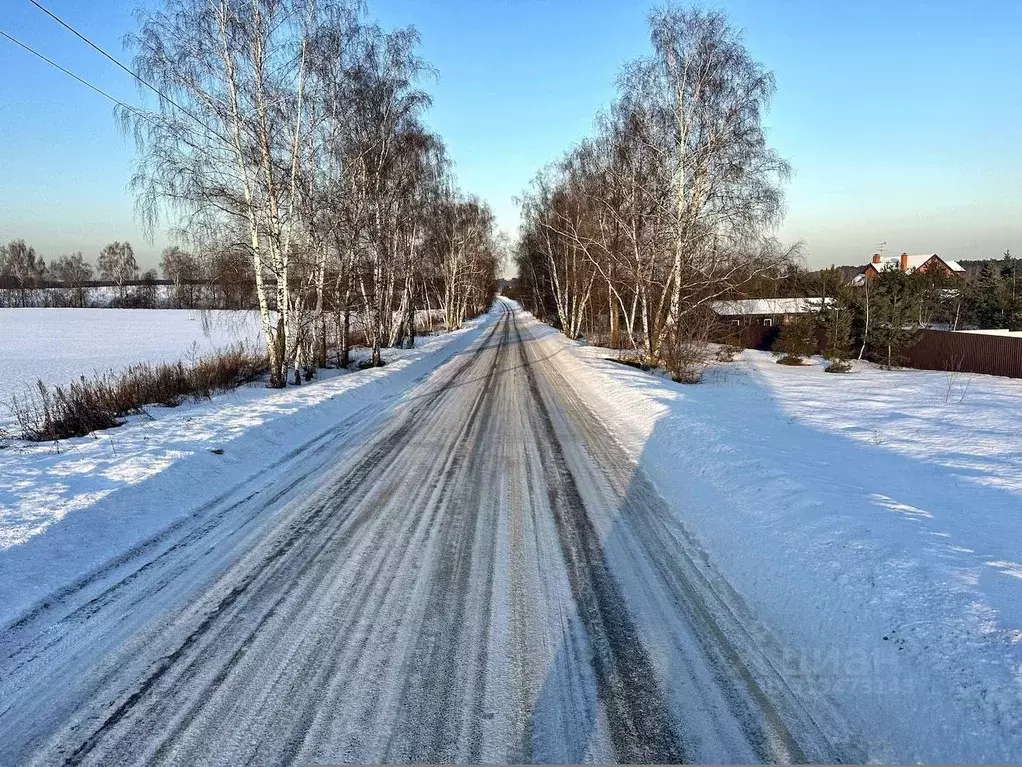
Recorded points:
(967, 353)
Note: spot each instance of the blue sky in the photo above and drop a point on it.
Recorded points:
(902, 119)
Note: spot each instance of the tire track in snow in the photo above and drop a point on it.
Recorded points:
(125, 587)
(709, 623)
(310, 532)
(640, 724)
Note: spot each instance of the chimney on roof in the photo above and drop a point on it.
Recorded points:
(876, 258)
(904, 262)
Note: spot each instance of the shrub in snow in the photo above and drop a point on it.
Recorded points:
(838, 366)
(727, 352)
(686, 361)
(99, 403)
(791, 359)
(796, 341)
(687, 351)
(632, 362)
(64, 411)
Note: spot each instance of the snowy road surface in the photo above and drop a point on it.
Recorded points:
(477, 574)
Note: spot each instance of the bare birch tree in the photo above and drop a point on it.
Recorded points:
(671, 204)
(292, 130)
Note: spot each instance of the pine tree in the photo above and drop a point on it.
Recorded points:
(797, 340)
(894, 329)
(837, 320)
(1008, 295)
(988, 288)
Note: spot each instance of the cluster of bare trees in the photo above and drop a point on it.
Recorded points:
(27, 280)
(117, 264)
(215, 278)
(668, 206)
(292, 131)
(22, 269)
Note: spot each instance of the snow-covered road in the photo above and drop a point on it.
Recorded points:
(477, 573)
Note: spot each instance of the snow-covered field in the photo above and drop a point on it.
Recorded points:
(873, 523)
(59, 345)
(68, 507)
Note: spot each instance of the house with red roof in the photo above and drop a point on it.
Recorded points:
(908, 265)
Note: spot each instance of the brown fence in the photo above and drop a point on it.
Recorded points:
(933, 350)
(967, 353)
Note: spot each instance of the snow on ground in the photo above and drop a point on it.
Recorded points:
(59, 345)
(874, 528)
(869, 521)
(68, 507)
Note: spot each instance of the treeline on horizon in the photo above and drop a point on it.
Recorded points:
(973, 267)
(987, 296)
(216, 280)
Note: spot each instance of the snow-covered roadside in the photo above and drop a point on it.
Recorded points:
(871, 527)
(67, 508)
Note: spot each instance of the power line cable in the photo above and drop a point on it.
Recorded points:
(71, 74)
(127, 69)
(86, 40)
(133, 109)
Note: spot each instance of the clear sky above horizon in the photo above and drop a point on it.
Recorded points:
(902, 119)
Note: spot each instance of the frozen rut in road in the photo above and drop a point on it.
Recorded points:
(480, 576)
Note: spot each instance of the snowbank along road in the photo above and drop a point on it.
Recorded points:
(477, 574)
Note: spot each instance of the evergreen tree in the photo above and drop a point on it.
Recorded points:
(837, 321)
(1008, 294)
(830, 283)
(988, 312)
(797, 340)
(933, 296)
(895, 325)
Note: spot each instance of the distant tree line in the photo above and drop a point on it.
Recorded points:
(973, 267)
(220, 279)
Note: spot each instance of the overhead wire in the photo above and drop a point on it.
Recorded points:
(127, 69)
(70, 74)
(131, 108)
